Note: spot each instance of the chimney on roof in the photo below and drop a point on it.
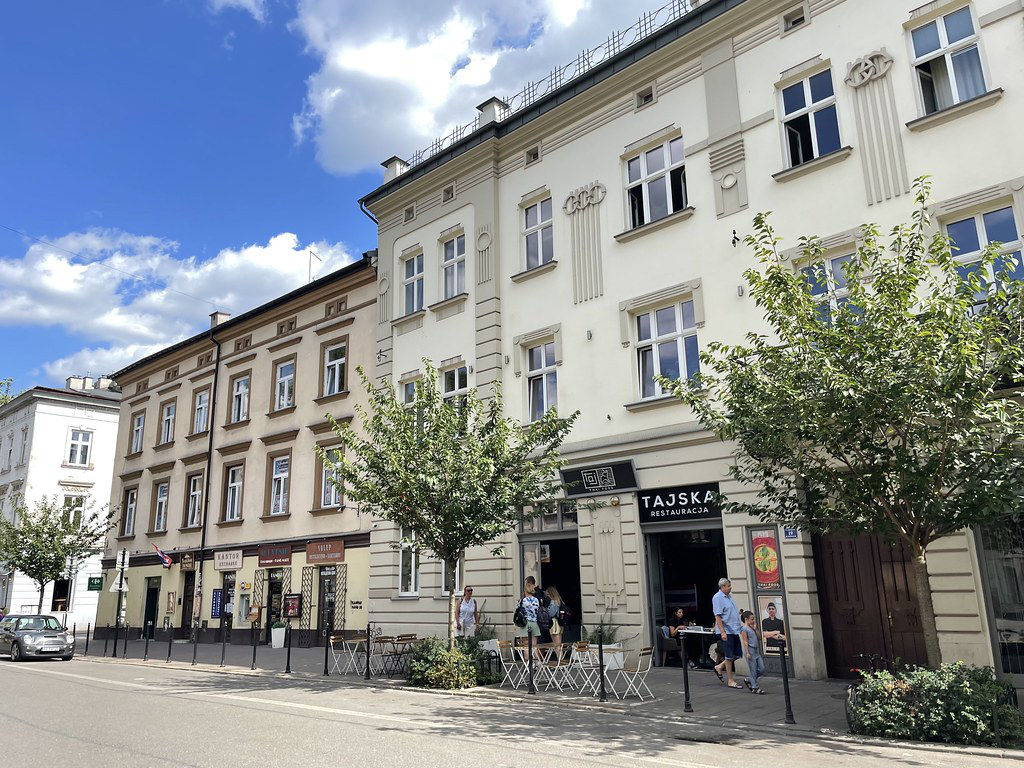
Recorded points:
(218, 317)
(79, 383)
(394, 167)
(490, 110)
(104, 383)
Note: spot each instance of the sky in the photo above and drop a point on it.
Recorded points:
(160, 159)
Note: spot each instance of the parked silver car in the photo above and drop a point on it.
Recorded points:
(26, 636)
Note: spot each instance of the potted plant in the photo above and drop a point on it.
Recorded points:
(606, 635)
(277, 630)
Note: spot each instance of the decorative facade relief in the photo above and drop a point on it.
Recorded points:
(484, 267)
(609, 573)
(728, 170)
(582, 209)
(878, 127)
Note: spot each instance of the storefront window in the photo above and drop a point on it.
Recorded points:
(1003, 564)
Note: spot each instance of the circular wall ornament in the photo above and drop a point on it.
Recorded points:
(728, 181)
(483, 241)
(382, 286)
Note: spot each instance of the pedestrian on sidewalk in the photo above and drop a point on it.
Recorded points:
(752, 652)
(468, 615)
(554, 610)
(530, 605)
(727, 621)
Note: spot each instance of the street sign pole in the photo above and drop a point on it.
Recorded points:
(122, 564)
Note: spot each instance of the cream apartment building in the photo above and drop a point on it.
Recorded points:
(585, 235)
(216, 466)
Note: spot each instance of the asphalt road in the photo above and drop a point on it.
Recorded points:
(109, 714)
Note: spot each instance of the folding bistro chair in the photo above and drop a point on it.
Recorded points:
(354, 649)
(338, 654)
(512, 671)
(636, 677)
(578, 671)
(557, 668)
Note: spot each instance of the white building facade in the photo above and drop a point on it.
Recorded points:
(586, 236)
(58, 443)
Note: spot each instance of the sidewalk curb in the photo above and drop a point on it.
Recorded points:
(632, 710)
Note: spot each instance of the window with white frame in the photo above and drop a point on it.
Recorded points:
(455, 386)
(330, 481)
(9, 457)
(542, 379)
(811, 123)
(240, 399)
(24, 445)
(131, 497)
(947, 61)
(279, 476)
(412, 283)
(161, 493)
(194, 504)
(409, 392)
(233, 493)
(138, 428)
(656, 183)
(284, 385)
(167, 422)
(666, 346)
(446, 584)
(408, 564)
(74, 506)
(78, 453)
(537, 233)
(970, 236)
(453, 264)
(334, 369)
(829, 285)
(201, 414)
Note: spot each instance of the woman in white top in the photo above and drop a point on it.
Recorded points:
(468, 616)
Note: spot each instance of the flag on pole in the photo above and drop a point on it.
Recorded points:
(164, 557)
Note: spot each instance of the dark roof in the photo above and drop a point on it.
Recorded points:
(366, 262)
(683, 26)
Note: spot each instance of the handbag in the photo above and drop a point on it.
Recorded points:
(519, 617)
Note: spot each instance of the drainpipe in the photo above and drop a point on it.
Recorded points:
(370, 215)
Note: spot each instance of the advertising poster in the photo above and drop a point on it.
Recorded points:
(771, 615)
(292, 606)
(764, 547)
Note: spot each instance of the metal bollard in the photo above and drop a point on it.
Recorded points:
(600, 664)
(252, 632)
(117, 627)
(995, 724)
(369, 649)
(106, 638)
(145, 653)
(327, 649)
(74, 635)
(170, 641)
(288, 648)
(223, 642)
(88, 627)
(686, 673)
(195, 640)
(785, 683)
(124, 648)
(531, 688)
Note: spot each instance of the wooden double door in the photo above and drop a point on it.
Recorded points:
(868, 600)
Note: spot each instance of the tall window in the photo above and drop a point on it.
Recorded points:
(543, 380)
(167, 423)
(138, 427)
(971, 236)
(202, 412)
(408, 564)
(540, 247)
(78, 454)
(829, 285)
(453, 262)
(455, 386)
(811, 124)
(233, 493)
(240, 399)
(412, 283)
(131, 497)
(284, 385)
(446, 583)
(666, 346)
(334, 369)
(656, 183)
(947, 61)
(280, 470)
(24, 445)
(160, 507)
(75, 508)
(194, 502)
(330, 482)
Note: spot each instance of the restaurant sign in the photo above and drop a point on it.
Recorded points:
(230, 560)
(679, 502)
(275, 554)
(604, 478)
(323, 552)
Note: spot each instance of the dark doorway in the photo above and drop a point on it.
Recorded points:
(61, 595)
(152, 605)
(327, 601)
(275, 598)
(560, 568)
(868, 602)
(187, 596)
(227, 611)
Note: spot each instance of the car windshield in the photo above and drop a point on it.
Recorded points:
(39, 623)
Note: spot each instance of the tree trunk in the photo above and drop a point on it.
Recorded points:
(453, 600)
(42, 588)
(926, 609)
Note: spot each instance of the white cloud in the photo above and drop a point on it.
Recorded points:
(395, 75)
(256, 8)
(128, 295)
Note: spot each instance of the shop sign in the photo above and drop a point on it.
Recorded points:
(322, 552)
(188, 562)
(764, 547)
(292, 606)
(95, 584)
(604, 478)
(678, 503)
(230, 560)
(275, 554)
(217, 602)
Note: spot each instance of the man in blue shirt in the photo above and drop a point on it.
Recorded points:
(729, 626)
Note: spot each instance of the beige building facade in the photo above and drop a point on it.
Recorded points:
(216, 466)
(574, 242)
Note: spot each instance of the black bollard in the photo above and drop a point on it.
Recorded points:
(88, 627)
(117, 627)
(600, 663)
(785, 683)
(532, 688)
(223, 642)
(74, 635)
(686, 673)
(252, 631)
(106, 638)
(327, 650)
(170, 641)
(195, 640)
(369, 649)
(145, 653)
(124, 648)
(288, 648)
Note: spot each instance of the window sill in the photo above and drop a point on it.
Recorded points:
(190, 528)
(125, 537)
(654, 402)
(812, 165)
(156, 534)
(236, 424)
(163, 446)
(957, 110)
(455, 301)
(331, 398)
(65, 465)
(197, 435)
(534, 271)
(405, 320)
(130, 456)
(272, 518)
(653, 226)
(404, 598)
(281, 412)
(327, 510)
(228, 523)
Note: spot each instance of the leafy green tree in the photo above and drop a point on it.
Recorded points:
(892, 412)
(453, 474)
(50, 541)
(7, 391)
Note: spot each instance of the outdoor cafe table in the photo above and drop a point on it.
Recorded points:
(707, 639)
(347, 650)
(394, 658)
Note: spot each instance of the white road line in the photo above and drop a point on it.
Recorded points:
(308, 707)
(42, 671)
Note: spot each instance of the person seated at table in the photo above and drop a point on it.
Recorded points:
(676, 623)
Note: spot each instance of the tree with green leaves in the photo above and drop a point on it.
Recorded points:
(51, 540)
(7, 391)
(452, 474)
(884, 399)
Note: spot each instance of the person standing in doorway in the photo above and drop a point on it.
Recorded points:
(729, 626)
(468, 616)
(543, 601)
(554, 609)
(530, 605)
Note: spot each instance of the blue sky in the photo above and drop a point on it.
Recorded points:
(206, 145)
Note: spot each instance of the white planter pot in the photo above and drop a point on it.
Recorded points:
(614, 656)
(277, 637)
(489, 645)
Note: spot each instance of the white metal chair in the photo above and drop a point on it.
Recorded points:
(556, 668)
(636, 677)
(511, 668)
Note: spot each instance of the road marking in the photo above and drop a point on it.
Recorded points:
(308, 707)
(42, 671)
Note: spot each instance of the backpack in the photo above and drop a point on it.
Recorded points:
(543, 619)
(519, 617)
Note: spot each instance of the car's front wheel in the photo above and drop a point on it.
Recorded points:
(16, 654)
(69, 657)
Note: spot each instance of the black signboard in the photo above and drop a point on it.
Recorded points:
(679, 502)
(601, 478)
(217, 603)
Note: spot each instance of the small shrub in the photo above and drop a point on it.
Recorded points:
(488, 669)
(951, 704)
(432, 665)
(605, 632)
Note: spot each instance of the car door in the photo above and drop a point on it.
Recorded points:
(6, 628)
